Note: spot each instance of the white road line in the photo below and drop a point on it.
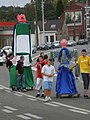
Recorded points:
(23, 117)
(10, 108)
(33, 116)
(5, 87)
(69, 106)
(55, 103)
(23, 93)
(51, 104)
(77, 111)
(7, 111)
(1, 88)
(8, 91)
(32, 99)
(31, 96)
(18, 95)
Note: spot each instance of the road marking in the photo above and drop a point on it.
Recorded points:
(8, 91)
(5, 87)
(57, 103)
(1, 88)
(69, 106)
(18, 95)
(32, 99)
(10, 108)
(23, 117)
(7, 111)
(23, 93)
(51, 104)
(77, 111)
(33, 116)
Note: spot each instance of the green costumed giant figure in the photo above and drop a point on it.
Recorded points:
(22, 46)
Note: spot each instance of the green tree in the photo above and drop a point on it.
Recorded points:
(29, 12)
(49, 9)
(59, 8)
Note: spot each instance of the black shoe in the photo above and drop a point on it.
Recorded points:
(38, 95)
(86, 96)
(42, 95)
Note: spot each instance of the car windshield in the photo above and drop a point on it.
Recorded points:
(70, 41)
(48, 43)
(56, 42)
(7, 47)
(81, 40)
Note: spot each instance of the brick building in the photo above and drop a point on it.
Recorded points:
(74, 17)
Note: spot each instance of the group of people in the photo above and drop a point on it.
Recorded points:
(65, 80)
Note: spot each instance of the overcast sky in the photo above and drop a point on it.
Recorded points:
(14, 2)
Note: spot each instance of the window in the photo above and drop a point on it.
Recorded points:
(53, 26)
(46, 38)
(51, 38)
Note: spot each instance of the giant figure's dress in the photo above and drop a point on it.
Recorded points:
(65, 81)
(22, 46)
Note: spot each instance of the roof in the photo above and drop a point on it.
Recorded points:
(51, 25)
(74, 6)
(10, 25)
(7, 24)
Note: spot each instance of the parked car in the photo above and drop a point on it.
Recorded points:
(43, 47)
(72, 43)
(34, 49)
(7, 49)
(50, 45)
(82, 42)
(56, 44)
(1, 59)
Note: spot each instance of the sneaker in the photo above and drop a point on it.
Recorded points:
(49, 98)
(38, 95)
(46, 99)
(24, 90)
(19, 90)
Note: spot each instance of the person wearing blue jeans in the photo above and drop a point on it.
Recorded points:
(20, 75)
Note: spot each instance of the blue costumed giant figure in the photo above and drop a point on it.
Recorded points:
(65, 81)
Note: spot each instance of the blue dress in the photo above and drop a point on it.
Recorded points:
(65, 81)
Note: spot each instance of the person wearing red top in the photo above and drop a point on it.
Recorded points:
(45, 61)
(39, 83)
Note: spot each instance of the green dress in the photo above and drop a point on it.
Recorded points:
(12, 76)
(29, 82)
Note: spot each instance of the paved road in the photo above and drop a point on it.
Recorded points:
(25, 106)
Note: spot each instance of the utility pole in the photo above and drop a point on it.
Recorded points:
(43, 21)
(36, 26)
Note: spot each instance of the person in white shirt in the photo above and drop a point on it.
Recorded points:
(48, 72)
